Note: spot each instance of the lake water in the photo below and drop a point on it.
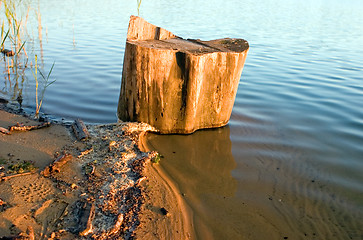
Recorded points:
(290, 163)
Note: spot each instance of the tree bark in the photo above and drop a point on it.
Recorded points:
(178, 85)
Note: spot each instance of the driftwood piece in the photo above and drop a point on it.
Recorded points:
(80, 130)
(178, 85)
(85, 152)
(118, 223)
(22, 128)
(5, 131)
(88, 214)
(56, 165)
(5, 178)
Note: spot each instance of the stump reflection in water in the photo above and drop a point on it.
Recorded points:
(201, 165)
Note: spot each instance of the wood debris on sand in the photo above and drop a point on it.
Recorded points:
(23, 128)
(80, 129)
(57, 164)
(99, 190)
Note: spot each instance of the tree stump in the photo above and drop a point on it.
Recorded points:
(178, 85)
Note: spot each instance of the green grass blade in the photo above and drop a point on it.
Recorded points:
(21, 48)
(50, 71)
(48, 84)
(4, 39)
(42, 75)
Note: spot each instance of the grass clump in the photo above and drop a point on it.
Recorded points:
(25, 166)
(157, 158)
(3, 161)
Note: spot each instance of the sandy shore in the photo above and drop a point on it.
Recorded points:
(104, 187)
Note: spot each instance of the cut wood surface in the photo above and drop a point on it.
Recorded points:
(139, 29)
(178, 85)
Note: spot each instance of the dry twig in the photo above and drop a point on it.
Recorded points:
(4, 131)
(21, 127)
(15, 175)
(87, 218)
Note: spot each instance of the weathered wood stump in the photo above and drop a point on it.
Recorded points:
(178, 85)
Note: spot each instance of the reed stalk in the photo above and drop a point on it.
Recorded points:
(13, 31)
(46, 83)
(3, 39)
(138, 7)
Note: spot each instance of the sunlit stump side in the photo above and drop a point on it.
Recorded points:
(178, 85)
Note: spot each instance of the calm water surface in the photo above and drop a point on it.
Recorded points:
(289, 165)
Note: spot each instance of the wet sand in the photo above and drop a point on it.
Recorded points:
(237, 191)
(109, 189)
(200, 165)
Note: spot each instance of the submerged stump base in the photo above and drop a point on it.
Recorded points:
(178, 85)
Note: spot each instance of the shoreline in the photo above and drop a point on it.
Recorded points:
(177, 221)
(109, 188)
